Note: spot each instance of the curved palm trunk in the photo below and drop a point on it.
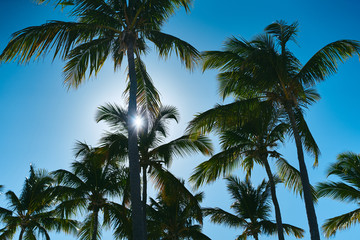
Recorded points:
(96, 224)
(309, 204)
(21, 234)
(144, 198)
(279, 224)
(134, 164)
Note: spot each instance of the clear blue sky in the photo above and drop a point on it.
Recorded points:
(40, 120)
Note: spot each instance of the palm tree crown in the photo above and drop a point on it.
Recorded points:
(93, 180)
(33, 212)
(173, 216)
(252, 210)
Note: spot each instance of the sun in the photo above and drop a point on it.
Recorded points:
(138, 122)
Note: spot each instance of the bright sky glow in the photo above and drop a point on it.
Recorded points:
(138, 122)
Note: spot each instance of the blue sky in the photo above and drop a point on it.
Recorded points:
(40, 120)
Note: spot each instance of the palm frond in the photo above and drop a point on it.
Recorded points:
(85, 58)
(147, 95)
(344, 221)
(325, 62)
(339, 191)
(291, 178)
(218, 215)
(166, 44)
(218, 165)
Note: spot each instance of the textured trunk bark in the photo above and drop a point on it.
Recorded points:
(274, 200)
(309, 204)
(96, 223)
(144, 198)
(134, 164)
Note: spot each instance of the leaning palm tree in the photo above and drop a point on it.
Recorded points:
(93, 180)
(264, 68)
(109, 28)
(155, 153)
(33, 211)
(172, 216)
(252, 211)
(347, 168)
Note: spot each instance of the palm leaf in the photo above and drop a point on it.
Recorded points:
(341, 222)
(325, 62)
(166, 44)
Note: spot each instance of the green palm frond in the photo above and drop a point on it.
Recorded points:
(181, 147)
(324, 63)
(339, 191)
(293, 230)
(166, 44)
(174, 213)
(292, 180)
(85, 58)
(219, 215)
(163, 178)
(220, 164)
(341, 222)
(283, 32)
(33, 42)
(224, 60)
(307, 138)
(222, 116)
(112, 114)
(87, 229)
(147, 95)
(347, 168)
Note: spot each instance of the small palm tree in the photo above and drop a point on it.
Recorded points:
(106, 29)
(252, 211)
(88, 186)
(266, 69)
(347, 168)
(172, 216)
(33, 212)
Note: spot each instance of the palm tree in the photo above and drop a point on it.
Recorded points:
(252, 211)
(172, 216)
(264, 68)
(347, 168)
(154, 153)
(106, 28)
(33, 212)
(247, 138)
(88, 186)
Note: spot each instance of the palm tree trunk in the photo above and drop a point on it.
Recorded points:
(144, 198)
(279, 224)
(134, 164)
(96, 223)
(21, 234)
(309, 204)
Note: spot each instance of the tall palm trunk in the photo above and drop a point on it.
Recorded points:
(134, 164)
(21, 234)
(274, 199)
(309, 204)
(144, 198)
(96, 223)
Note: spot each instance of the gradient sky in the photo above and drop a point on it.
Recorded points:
(40, 120)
